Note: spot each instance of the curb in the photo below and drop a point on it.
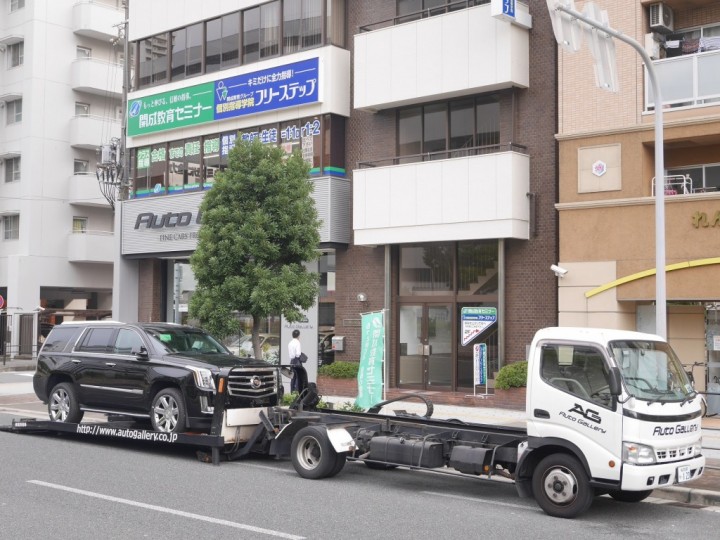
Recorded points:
(701, 497)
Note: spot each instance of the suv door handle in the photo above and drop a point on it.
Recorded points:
(111, 364)
(75, 361)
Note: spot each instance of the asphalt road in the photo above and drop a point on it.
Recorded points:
(69, 487)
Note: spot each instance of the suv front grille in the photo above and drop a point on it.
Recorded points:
(252, 382)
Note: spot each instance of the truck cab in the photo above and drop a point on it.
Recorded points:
(619, 404)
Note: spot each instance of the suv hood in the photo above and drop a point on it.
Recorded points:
(215, 360)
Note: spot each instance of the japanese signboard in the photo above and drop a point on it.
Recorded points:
(475, 320)
(480, 363)
(372, 353)
(284, 86)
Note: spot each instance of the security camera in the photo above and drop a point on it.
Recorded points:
(559, 270)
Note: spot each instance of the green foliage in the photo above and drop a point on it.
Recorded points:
(349, 406)
(512, 376)
(288, 399)
(259, 225)
(340, 370)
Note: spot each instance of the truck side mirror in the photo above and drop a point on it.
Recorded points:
(615, 382)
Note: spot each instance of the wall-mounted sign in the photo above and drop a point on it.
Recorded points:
(284, 86)
(599, 168)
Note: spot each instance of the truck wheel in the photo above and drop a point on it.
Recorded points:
(630, 496)
(312, 454)
(63, 404)
(167, 413)
(339, 464)
(561, 486)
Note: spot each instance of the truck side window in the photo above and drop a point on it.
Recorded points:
(579, 371)
(127, 341)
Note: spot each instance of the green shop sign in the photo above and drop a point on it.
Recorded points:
(171, 110)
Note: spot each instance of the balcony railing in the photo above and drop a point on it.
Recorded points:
(686, 81)
(444, 154)
(676, 185)
(88, 246)
(449, 6)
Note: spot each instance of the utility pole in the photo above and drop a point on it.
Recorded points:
(112, 168)
(566, 23)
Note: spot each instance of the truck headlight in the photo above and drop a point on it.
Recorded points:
(203, 378)
(638, 454)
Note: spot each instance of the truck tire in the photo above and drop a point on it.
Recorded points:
(167, 413)
(630, 496)
(561, 486)
(63, 405)
(339, 464)
(312, 454)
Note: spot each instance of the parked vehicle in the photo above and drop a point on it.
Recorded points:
(161, 372)
(608, 411)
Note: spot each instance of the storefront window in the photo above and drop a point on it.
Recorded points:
(211, 159)
(149, 164)
(478, 268)
(426, 270)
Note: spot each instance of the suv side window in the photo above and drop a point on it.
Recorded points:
(59, 337)
(96, 340)
(127, 341)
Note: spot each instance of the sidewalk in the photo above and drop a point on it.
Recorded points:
(704, 491)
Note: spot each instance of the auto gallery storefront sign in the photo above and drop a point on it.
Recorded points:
(280, 87)
(161, 224)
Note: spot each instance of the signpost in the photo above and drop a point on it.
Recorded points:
(479, 367)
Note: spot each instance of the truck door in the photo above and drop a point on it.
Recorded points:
(572, 401)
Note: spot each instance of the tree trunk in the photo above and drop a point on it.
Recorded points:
(257, 351)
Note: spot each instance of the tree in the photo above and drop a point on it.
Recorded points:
(259, 225)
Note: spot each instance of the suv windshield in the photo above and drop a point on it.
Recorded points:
(183, 340)
(651, 371)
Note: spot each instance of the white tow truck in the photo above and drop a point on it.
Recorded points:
(608, 412)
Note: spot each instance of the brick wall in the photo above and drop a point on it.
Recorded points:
(150, 292)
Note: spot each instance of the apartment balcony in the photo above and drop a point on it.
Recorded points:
(97, 77)
(89, 132)
(686, 81)
(458, 53)
(96, 20)
(479, 196)
(83, 190)
(332, 201)
(91, 247)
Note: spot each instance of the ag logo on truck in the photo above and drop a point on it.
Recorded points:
(588, 414)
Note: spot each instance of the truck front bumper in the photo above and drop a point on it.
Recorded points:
(642, 477)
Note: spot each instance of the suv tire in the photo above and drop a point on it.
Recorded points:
(63, 404)
(168, 414)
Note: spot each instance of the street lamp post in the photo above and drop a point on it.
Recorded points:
(660, 286)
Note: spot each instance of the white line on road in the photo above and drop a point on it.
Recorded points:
(168, 510)
(478, 500)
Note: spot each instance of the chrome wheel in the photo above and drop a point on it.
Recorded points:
(59, 406)
(560, 485)
(166, 413)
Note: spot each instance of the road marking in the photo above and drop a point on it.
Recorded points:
(168, 510)
(477, 500)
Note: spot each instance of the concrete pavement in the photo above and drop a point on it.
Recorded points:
(704, 491)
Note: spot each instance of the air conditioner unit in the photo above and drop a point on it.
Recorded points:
(661, 18)
(653, 42)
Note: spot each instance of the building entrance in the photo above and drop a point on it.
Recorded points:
(426, 356)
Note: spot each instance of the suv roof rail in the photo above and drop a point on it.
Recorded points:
(103, 321)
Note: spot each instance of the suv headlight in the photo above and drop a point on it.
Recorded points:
(638, 454)
(203, 378)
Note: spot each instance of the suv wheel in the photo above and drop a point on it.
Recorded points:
(63, 404)
(167, 413)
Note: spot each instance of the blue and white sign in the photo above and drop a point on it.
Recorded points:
(480, 363)
(275, 88)
(474, 321)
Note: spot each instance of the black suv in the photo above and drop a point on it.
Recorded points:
(161, 371)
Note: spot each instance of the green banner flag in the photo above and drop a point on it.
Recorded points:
(372, 353)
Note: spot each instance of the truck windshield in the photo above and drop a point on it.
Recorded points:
(186, 341)
(651, 371)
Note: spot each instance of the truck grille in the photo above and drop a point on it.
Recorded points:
(252, 382)
(674, 454)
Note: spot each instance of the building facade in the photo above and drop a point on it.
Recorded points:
(60, 100)
(429, 128)
(607, 180)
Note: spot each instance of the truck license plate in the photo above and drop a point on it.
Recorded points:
(683, 473)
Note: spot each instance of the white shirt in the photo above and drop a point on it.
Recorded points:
(294, 348)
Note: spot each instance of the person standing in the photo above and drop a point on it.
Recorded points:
(294, 352)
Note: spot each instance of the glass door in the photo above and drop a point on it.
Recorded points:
(425, 356)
